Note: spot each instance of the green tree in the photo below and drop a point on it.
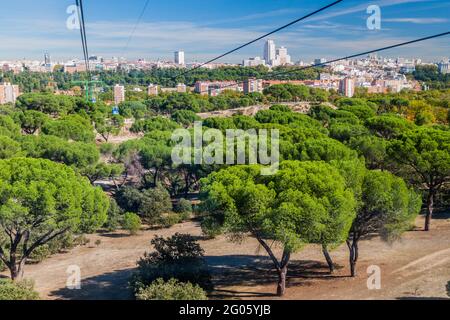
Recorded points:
(387, 208)
(72, 127)
(388, 126)
(293, 207)
(107, 126)
(425, 153)
(40, 201)
(131, 222)
(32, 121)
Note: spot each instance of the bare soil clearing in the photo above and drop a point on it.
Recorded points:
(418, 267)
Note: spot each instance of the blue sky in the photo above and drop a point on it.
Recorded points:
(205, 29)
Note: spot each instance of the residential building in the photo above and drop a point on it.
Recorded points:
(444, 67)
(119, 94)
(254, 62)
(347, 87)
(8, 93)
(152, 90)
(253, 85)
(181, 88)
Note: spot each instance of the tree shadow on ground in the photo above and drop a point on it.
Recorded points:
(107, 286)
(251, 271)
(441, 215)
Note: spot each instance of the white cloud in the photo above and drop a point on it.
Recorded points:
(417, 20)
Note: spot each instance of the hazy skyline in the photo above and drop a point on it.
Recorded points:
(28, 29)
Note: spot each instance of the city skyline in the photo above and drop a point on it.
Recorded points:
(339, 31)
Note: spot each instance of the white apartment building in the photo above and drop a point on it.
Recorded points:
(179, 58)
(8, 93)
(254, 62)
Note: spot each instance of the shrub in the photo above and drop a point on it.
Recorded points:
(129, 199)
(131, 222)
(23, 290)
(170, 220)
(179, 257)
(171, 290)
(183, 206)
(154, 203)
(114, 216)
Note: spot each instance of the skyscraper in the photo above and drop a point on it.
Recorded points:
(47, 59)
(179, 58)
(119, 94)
(269, 51)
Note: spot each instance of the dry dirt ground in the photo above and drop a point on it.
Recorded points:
(418, 267)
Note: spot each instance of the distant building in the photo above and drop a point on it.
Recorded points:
(444, 67)
(179, 58)
(47, 60)
(347, 87)
(253, 85)
(282, 56)
(269, 51)
(320, 61)
(153, 90)
(181, 88)
(8, 93)
(407, 68)
(119, 94)
(254, 62)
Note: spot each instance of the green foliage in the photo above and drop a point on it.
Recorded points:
(171, 290)
(45, 200)
(179, 257)
(9, 148)
(293, 207)
(150, 204)
(114, 216)
(8, 127)
(78, 154)
(32, 121)
(131, 222)
(133, 109)
(372, 148)
(185, 117)
(154, 124)
(363, 112)
(388, 126)
(47, 103)
(154, 203)
(387, 207)
(13, 291)
(183, 206)
(107, 126)
(73, 127)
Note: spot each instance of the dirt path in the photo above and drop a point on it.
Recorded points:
(417, 267)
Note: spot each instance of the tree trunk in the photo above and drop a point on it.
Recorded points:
(353, 248)
(430, 205)
(16, 270)
(328, 258)
(281, 288)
